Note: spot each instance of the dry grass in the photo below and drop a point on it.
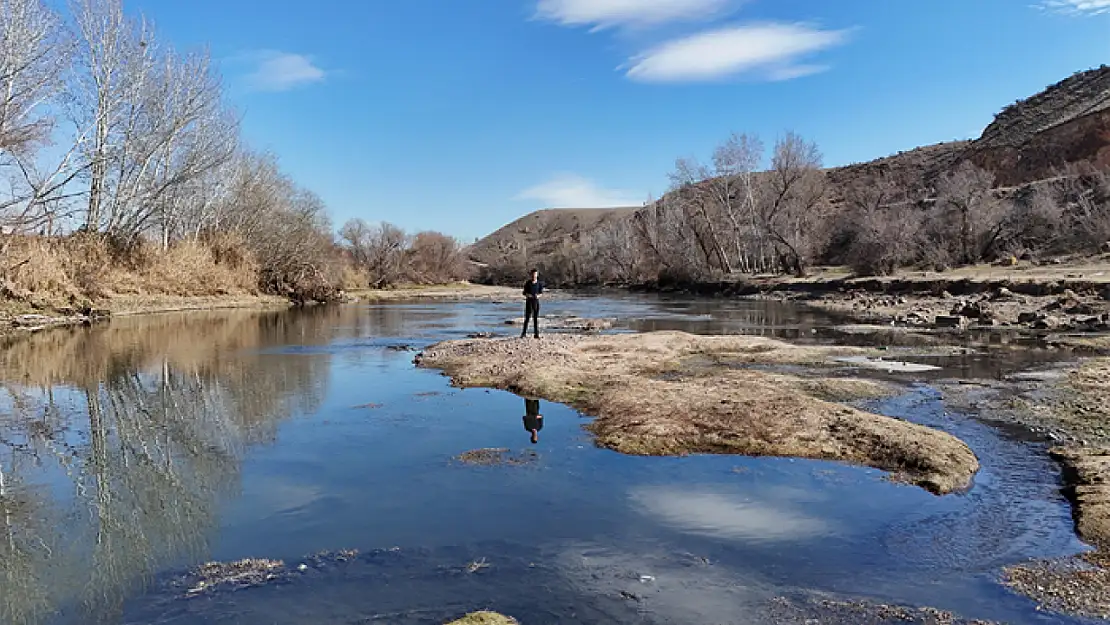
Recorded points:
(353, 278)
(186, 269)
(640, 409)
(81, 270)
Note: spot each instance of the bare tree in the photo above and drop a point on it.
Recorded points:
(157, 122)
(614, 251)
(696, 199)
(294, 250)
(966, 202)
(732, 185)
(436, 257)
(111, 57)
(884, 226)
(378, 249)
(33, 56)
(34, 53)
(1085, 200)
(795, 208)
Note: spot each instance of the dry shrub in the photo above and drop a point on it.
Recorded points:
(190, 268)
(352, 277)
(228, 249)
(52, 271)
(34, 265)
(88, 261)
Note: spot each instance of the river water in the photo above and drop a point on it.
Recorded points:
(133, 451)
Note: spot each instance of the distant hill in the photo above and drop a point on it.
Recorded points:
(530, 240)
(1028, 141)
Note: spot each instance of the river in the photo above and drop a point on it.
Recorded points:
(132, 451)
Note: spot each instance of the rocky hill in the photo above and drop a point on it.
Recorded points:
(1029, 141)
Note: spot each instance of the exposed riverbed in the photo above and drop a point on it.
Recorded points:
(135, 451)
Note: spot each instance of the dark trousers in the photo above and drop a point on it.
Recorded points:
(531, 309)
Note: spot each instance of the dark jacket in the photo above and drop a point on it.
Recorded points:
(533, 289)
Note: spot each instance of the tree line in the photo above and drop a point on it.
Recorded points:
(750, 212)
(110, 134)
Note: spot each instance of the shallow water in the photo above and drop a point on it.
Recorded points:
(135, 450)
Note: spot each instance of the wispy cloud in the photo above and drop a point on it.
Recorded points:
(567, 190)
(282, 71)
(602, 14)
(770, 50)
(1077, 7)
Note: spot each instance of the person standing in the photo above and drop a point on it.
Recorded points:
(533, 288)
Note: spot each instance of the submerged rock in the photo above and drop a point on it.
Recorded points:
(495, 456)
(817, 611)
(485, 618)
(215, 576)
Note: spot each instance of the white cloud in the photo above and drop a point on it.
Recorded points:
(568, 190)
(282, 71)
(771, 49)
(1077, 7)
(608, 13)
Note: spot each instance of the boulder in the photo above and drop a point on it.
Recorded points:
(950, 321)
(1029, 317)
(1082, 308)
(1047, 322)
(975, 310)
(1006, 295)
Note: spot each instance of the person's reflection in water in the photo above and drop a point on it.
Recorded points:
(533, 420)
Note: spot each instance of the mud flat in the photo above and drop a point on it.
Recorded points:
(672, 393)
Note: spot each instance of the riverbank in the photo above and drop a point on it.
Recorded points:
(671, 393)
(1066, 297)
(456, 292)
(18, 317)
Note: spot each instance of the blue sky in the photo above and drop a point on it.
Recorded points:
(462, 115)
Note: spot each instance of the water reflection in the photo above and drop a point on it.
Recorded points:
(128, 435)
(137, 449)
(533, 420)
(769, 517)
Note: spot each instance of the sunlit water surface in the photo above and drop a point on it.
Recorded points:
(132, 451)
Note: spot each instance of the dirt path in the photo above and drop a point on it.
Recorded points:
(671, 393)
